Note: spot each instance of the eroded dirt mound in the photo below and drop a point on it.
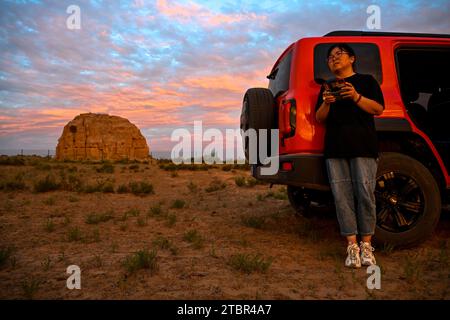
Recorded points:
(93, 136)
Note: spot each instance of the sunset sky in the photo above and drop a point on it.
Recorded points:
(160, 64)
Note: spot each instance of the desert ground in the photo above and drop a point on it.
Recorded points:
(150, 230)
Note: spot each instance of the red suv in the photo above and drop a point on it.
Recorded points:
(413, 180)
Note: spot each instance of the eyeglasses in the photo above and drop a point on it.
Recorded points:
(338, 54)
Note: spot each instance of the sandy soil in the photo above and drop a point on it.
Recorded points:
(306, 255)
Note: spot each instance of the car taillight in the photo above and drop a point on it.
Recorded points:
(287, 166)
(293, 116)
(289, 117)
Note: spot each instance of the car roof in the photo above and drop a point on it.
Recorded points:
(351, 33)
(355, 33)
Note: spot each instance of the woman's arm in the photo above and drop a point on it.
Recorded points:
(324, 109)
(322, 112)
(366, 104)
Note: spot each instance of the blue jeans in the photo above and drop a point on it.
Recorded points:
(353, 185)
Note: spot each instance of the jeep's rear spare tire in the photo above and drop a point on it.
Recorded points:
(258, 108)
(408, 201)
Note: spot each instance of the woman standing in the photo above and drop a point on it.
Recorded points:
(351, 151)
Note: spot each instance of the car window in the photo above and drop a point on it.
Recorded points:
(423, 74)
(423, 69)
(367, 60)
(280, 76)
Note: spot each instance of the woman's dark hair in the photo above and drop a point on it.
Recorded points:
(344, 47)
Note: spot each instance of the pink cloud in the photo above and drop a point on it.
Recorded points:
(153, 106)
(204, 16)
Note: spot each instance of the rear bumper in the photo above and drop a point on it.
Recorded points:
(308, 171)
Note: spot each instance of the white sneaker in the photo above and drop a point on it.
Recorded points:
(367, 257)
(353, 259)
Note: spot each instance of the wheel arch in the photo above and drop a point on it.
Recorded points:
(413, 145)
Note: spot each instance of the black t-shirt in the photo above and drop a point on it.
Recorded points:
(350, 131)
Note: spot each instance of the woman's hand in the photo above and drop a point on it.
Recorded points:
(328, 98)
(349, 92)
